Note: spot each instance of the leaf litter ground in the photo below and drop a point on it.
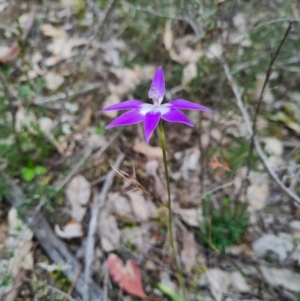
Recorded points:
(74, 61)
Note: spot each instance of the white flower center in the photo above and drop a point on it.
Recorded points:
(149, 108)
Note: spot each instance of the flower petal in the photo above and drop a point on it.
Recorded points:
(131, 117)
(125, 105)
(175, 115)
(150, 123)
(188, 105)
(157, 90)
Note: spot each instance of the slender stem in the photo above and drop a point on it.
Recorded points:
(170, 217)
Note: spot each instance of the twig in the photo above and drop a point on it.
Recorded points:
(75, 169)
(257, 146)
(64, 95)
(217, 189)
(84, 157)
(178, 18)
(14, 291)
(71, 288)
(97, 28)
(295, 180)
(54, 247)
(260, 99)
(99, 203)
(12, 105)
(57, 291)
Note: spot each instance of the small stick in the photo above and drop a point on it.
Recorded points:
(257, 146)
(88, 87)
(90, 243)
(261, 96)
(70, 290)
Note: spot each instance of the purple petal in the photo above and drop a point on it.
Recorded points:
(175, 115)
(188, 105)
(157, 90)
(150, 123)
(125, 105)
(131, 117)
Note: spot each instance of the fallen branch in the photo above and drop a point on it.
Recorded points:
(68, 94)
(55, 248)
(257, 146)
(99, 203)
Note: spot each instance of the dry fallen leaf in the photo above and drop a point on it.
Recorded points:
(25, 119)
(152, 168)
(110, 233)
(189, 73)
(280, 245)
(11, 53)
(51, 31)
(274, 149)
(121, 204)
(168, 35)
(214, 51)
(109, 101)
(190, 216)
(257, 192)
(183, 53)
(189, 252)
(268, 97)
(190, 162)
(71, 230)
(78, 194)
(139, 237)
(281, 277)
(53, 80)
(147, 150)
(62, 49)
(218, 282)
(127, 277)
(129, 78)
(221, 282)
(20, 244)
(139, 205)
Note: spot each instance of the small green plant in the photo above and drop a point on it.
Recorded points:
(224, 226)
(32, 171)
(6, 281)
(237, 155)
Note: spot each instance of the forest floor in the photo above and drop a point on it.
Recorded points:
(73, 193)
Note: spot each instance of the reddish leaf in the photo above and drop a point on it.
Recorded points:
(127, 277)
(15, 49)
(11, 54)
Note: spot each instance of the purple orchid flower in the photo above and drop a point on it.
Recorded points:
(150, 114)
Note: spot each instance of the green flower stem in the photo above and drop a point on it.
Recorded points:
(170, 217)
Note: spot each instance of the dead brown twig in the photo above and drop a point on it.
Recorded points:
(261, 96)
(134, 182)
(258, 148)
